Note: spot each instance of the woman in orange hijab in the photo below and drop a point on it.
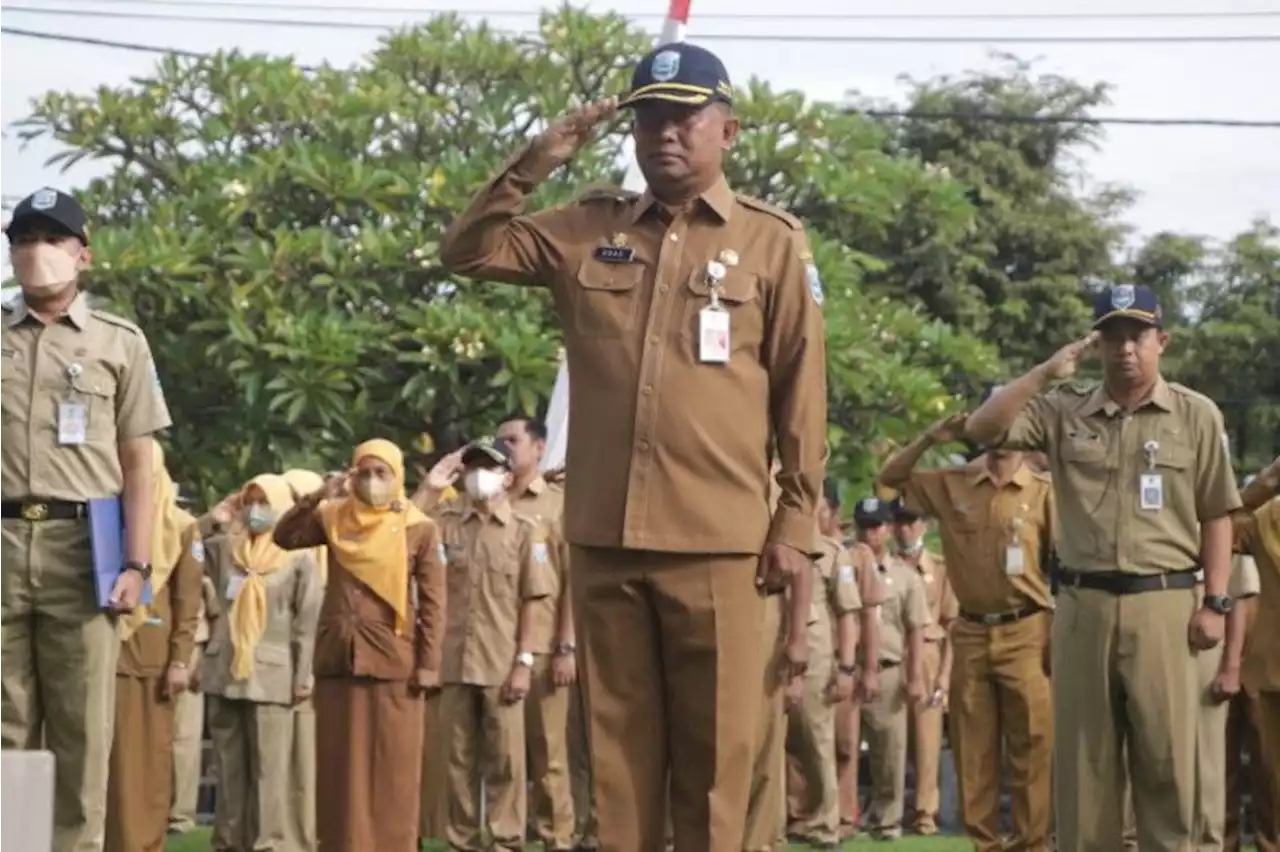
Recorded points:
(377, 649)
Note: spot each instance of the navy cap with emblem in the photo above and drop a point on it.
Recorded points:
(487, 452)
(679, 73)
(1132, 301)
(872, 511)
(50, 206)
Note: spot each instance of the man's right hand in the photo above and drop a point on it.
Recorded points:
(1063, 363)
(446, 471)
(571, 131)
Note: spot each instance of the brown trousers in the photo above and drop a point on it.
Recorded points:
(486, 752)
(435, 772)
(925, 745)
(1000, 698)
(673, 666)
(546, 726)
(767, 806)
(584, 808)
(141, 781)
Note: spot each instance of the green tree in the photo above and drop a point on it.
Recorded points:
(275, 232)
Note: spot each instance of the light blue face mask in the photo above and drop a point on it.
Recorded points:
(259, 518)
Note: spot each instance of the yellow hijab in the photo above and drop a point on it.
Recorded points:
(304, 482)
(168, 523)
(370, 542)
(258, 556)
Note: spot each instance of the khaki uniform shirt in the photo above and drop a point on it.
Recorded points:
(169, 634)
(943, 607)
(88, 358)
(1098, 453)
(835, 593)
(1260, 670)
(544, 503)
(670, 454)
(904, 609)
(494, 565)
(978, 523)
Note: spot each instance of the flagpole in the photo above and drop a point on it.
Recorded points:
(673, 30)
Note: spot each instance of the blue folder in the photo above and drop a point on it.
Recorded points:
(106, 531)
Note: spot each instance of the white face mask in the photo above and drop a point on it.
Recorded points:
(484, 484)
(44, 269)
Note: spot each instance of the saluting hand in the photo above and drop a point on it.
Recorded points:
(227, 510)
(571, 131)
(948, 429)
(1063, 363)
(446, 471)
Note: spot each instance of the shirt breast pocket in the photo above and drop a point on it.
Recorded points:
(740, 296)
(606, 299)
(1087, 466)
(96, 389)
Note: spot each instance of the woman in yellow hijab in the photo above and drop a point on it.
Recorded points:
(377, 648)
(158, 641)
(258, 665)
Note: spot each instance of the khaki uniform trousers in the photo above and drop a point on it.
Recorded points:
(434, 815)
(546, 725)
(1001, 700)
(252, 744)
(848, 752)
(1209, 818)
(584, 809)
(672, 659)
(767, 806)
(486, 749)
(300, 789)
(813, 805)
(1253, 726)
(188, 751)
(58, 656)
(885, 723)
(1126, 689)
(925, 744)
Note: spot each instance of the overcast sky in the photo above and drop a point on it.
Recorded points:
(1209, 181)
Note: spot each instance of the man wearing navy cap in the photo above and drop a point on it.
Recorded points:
(1143, 489)
(693, 326)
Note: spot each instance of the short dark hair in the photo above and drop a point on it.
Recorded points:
(533, 427)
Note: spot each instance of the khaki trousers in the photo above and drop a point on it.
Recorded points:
(58, 655)
(1001, 701)
(546, 725)
(300, 792)
(584, 809)
(1209, 816)
(1126, 688)
(673, 666)
(813, 802)
(486, 748)
(767, 805)
(188, 751)
(925, 744)
(885, 721)
(252, 744)
(848, 753)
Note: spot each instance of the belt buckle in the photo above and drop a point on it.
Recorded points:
(993, 619)
(35, 511)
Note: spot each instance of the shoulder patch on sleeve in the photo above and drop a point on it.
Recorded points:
(764, 207)
(814, 280)
(197, 550)
(845, 572)
(112, 319)
(540, 552)
(441, 553)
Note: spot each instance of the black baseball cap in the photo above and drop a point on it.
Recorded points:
(49, 205)
(487, 451)
(901, 513)
(679, 73)
(872, 511)
(1134, 301)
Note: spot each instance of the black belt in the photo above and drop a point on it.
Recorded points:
(43, 510)
(1119, 583)
(996, 619)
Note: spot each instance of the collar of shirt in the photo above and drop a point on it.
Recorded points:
(77, 312)
(536, 486)
(502, 513)
(1021, 477)
(718, 197)
(1099, 400)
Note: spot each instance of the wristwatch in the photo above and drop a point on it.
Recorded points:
(564, 649)
(143, 568)
(1221, 604)
(525, 658)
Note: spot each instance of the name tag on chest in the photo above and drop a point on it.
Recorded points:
(713, 335)
(1151, 492)
(614, 254)
(73, 423)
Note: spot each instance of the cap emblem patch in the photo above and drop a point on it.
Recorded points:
(665, 66)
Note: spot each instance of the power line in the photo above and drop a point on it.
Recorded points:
(722, 16)
(804, 38)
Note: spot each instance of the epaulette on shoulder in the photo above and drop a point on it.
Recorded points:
(1075, 388)
(764, 207)
(532, 520)
(1194, 395)
(600, 193)
(112, 319)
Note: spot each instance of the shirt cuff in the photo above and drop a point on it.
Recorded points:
(796, 530)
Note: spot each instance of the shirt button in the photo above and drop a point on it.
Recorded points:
(644, 446)
(647, 389)
(662, 288)
(675, 238)
(654, 339)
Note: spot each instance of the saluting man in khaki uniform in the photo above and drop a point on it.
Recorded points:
(903, 616)
(995, 516)
(1143, 489)
(814, 808)
(499, 570)
(694, 334)
(926, 716)
(81, 402)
